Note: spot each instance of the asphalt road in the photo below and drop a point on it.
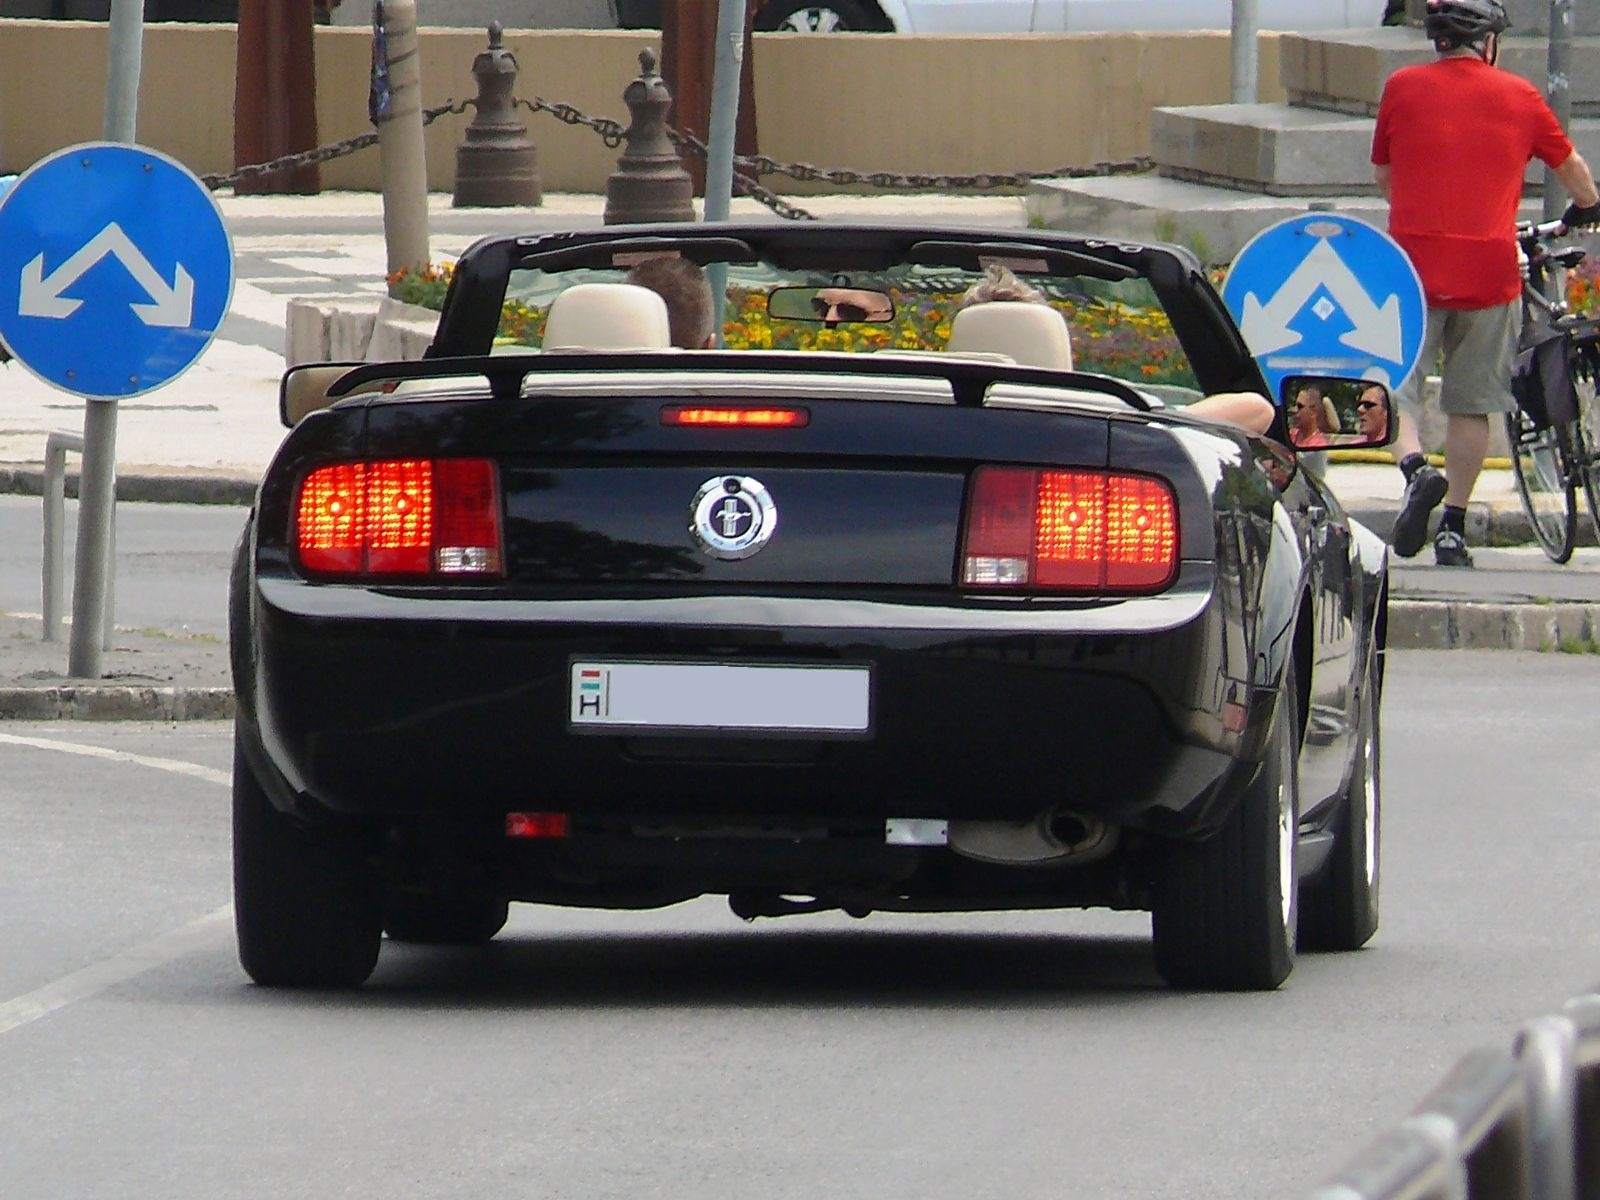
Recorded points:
(681, 1053)
(172, 562)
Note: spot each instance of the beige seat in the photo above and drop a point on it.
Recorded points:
(1033, 335)
(607, 316)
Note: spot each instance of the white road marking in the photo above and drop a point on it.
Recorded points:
(98, 977)
(176, 766)
(158, 951)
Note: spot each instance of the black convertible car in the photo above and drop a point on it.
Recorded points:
(895, 602)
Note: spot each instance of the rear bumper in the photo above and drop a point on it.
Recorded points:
(395, 706)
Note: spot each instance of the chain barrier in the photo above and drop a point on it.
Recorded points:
(322, 154)
(748, 169)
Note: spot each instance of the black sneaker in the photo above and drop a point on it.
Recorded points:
(1450, 549)
(1423, 494)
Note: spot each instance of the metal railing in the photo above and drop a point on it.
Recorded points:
(1516, 1124)
(53, 605)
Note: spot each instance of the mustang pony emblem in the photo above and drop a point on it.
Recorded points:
(732, 516)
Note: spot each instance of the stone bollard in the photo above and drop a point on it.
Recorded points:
(649, 183)
(496, 164)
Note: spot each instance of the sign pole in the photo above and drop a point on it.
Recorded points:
(97, 478)
(1246, 55)
(727, 64)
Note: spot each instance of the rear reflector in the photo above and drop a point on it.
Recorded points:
(725, 418)
(536, 825)
(1074, 531)
(437, 517)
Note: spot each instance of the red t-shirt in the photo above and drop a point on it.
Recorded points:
(1457, 136)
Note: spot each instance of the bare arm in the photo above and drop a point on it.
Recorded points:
(1576, 177)
(1245, 409)
(1380, 176)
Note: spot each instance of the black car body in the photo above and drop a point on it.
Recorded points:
(864, 711)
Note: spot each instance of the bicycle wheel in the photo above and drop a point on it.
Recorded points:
(1541, 467)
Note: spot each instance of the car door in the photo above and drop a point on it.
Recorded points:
(1084, 16)
(978, 16)
(1325, 538)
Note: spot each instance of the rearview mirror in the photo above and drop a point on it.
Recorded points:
(1326, 412)
(830, 305)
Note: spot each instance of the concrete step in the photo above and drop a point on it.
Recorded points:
(1215, 222)
(1285, 150)
(1344, 70)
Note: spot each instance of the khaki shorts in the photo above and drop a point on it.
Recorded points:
(1479, 347)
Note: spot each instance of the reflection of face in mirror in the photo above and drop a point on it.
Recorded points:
(837, 304)
(1308, 420)
(1372, 415)
(830, 305)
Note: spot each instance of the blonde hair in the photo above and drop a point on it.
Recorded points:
(1000, 283)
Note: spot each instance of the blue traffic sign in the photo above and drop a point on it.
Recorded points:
(1327, 294)
(116, 269)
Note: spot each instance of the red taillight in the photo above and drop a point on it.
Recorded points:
(536, 825)
(400, 517)
(728, 418)
(1082, 531)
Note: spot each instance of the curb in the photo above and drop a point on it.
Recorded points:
(1413, 625)
(91, 703)
(149, 489)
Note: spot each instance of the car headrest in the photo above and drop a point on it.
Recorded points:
(607, 316)
(1034, 335)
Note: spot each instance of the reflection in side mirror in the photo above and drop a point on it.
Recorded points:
(830, 305)
(1325, 412)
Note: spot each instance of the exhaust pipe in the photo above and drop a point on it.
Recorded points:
(1054, 836)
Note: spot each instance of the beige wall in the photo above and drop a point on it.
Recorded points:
(935, 105)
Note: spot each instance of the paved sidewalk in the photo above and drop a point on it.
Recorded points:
(208, 436)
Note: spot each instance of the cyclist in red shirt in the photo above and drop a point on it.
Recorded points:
(1453, 141)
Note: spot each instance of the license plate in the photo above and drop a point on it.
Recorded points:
(721, 696)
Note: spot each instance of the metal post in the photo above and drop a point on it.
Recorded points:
(728, 63)
(403, 166)
(97, 488)
(1558, 91)
(1246, 51)
(97, 497)
(56, 447)
(125, 61)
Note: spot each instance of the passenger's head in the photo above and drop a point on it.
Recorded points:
(684, 287)
(1000, 283)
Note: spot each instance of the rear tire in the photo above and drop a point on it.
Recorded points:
(305, 908)
(1224, 914)
(818, 16)
(1540, 461)
(1339, 909)
(444, 921)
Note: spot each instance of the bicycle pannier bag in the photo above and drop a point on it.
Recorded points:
(1542, 382)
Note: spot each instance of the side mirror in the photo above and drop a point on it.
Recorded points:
(830, 305)
(304, 389)
(1326, 412)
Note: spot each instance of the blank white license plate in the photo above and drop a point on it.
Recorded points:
(713, 696)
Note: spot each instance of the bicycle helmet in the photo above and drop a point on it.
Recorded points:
(1454, 23)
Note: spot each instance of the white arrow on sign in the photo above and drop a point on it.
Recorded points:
(41, 295)
(1376, 330)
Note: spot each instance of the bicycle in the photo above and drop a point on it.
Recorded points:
(1554, 432)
